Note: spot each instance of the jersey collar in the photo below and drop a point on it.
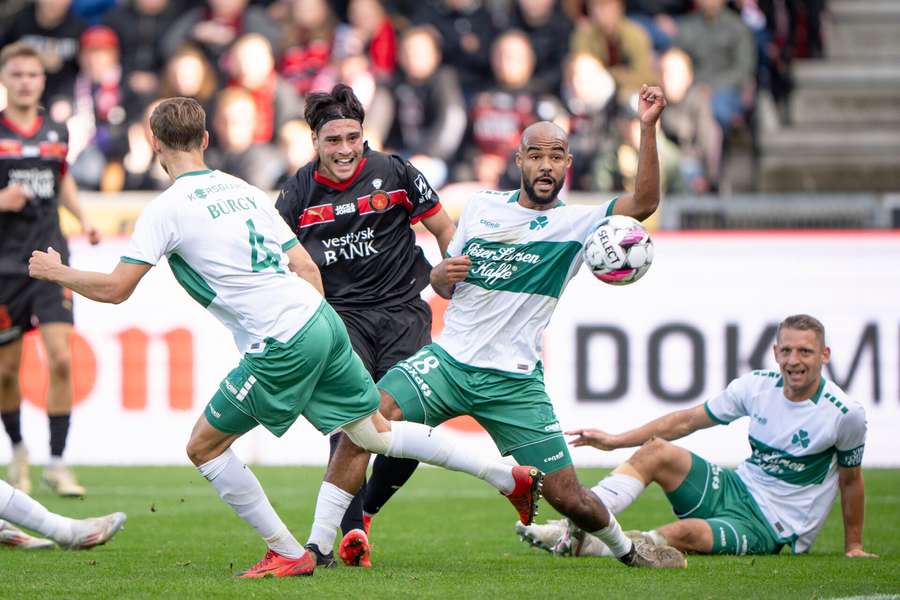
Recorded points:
(25, 133)
(815, 397)
(192, 173)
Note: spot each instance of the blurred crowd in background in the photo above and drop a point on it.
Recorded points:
(448, 84)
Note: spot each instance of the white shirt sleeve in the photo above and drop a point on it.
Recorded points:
(851, 437)
(732, 403)
(587, 218)
(155, 235)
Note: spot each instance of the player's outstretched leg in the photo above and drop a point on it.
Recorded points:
(12, 536)
(74, 534)
(587, 513)
(210, 450)
(521, 485)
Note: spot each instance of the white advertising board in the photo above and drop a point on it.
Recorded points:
(614, 357)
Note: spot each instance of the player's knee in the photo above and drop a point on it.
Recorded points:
(654, 451)
(364, 434)
(389, 407)
(60, 366)
(198, 452)
(9, 379)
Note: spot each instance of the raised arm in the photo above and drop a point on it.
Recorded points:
(853, 500)
(301, 263)
(113, 288)
(669, 427)
(645, 199)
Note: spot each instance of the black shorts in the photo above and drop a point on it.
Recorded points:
(384, 336)
(26, 303)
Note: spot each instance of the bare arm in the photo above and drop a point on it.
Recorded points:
(853, 500)
(669, 427)
(13, 198)
(113, 288)
(446, 274)
(441, 227)
(68, 197)
(301, 263)
(645, 199)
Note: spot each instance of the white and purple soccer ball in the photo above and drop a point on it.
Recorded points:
(619, 251)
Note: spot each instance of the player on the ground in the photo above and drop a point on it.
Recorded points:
(33, 183)
(73, 534)
(232, 252)
(512, 256)
(807, 439)
(353, 209)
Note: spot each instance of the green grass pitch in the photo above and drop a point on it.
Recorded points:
(444, 535)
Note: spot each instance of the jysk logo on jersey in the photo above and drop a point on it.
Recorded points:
(350, 246)
(41, 182)
(423, 188)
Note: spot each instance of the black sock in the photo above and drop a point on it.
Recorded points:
(59, 431)
(13, 424)
(388, 476)
(353, 517)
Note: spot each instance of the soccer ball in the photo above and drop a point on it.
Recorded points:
(619, 251)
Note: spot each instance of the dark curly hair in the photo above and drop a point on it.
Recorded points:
(340, 103)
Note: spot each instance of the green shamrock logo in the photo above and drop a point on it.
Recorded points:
(200, 193)
(801, 437)
(538, 223)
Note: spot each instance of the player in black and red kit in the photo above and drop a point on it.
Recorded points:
(353, 210)
(33, 182)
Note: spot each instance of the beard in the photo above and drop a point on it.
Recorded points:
(550, 198)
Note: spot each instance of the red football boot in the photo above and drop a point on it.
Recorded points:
(276, 565)
(527, 493)
(355, 549)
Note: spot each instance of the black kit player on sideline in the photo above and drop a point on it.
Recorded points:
(33, 182)
(353, 210)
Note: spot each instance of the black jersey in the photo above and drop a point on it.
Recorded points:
(359, 231)
(36, 159)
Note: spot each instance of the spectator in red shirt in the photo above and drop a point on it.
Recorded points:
(372, 25)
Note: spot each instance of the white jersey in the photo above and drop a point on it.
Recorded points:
(522, 260)
(225, 241)
(796, 449)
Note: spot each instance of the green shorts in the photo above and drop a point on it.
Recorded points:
(718, 496)
(315, 373)
(431, 387)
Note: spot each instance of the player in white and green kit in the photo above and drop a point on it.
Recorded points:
(512, 256)
(806, 439)
(233, 253)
